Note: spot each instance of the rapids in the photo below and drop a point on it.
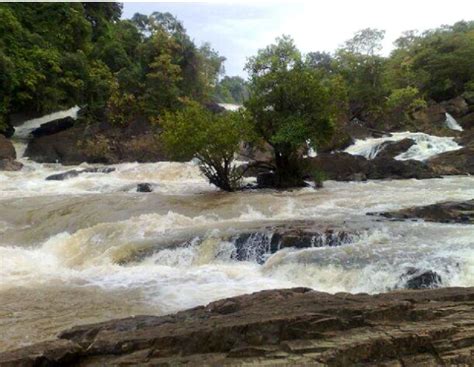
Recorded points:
(91, 248)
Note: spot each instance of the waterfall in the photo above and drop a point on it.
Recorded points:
(424, 148)
(452, 123)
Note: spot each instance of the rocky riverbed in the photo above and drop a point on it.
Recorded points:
(279, 327)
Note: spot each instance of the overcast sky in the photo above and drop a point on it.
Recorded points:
(238, 29)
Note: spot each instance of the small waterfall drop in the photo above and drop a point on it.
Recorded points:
(425, 147)
(452, 123)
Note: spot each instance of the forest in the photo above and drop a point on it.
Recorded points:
(57, 55)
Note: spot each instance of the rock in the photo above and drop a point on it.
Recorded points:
(445, 212)
(7, 150)
(457, 107)
(74, 173)
(266, 180)
(457, 162)
(144, 187)
(298, 326)
(259, 245)
(390, 149)
(53, 127)
(99, 143)
(434, 115)
(10, 165)
(419, 279)
(214, 107)
(8, 131)
(467, 121)
(346, 167)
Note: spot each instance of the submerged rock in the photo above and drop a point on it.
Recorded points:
(144, 187)
(445, 212)
(390, 149)
(278, 327)
(74, 173)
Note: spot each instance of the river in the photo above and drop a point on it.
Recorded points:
(91, 248)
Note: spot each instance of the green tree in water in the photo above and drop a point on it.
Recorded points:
(289, 106)
(212, 138)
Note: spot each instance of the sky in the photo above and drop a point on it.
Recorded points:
(237, 30)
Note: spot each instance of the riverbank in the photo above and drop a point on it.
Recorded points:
(278, 327)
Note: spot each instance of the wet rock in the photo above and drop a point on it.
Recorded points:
(99, 143)
(434, 115)
(346, 167)
(10, 165)
(53, 127)
(467, 121)
(7, 150)
(258, 246)
(74, 173)
(457, 162)
(445, 212)
(421, 279)
(266, 180)
(430, 327)
(391, 149)
(214, 107)
(144, 187)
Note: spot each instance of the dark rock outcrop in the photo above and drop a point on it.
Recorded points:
(258, 246)
(421, 279)
(457, 162)
(99, 143)
(266, 180)
(53, 127)
(390, 149)
(144, 187)
(457, 107)
(346, 167)
(74, 173)
(445, 212)
(7, 151)
(296, 326)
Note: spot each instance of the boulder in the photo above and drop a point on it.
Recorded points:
(457, 162)
(434, 115)
(144, 187)
(53, 127)
(346, 167)
(467, 121)
(291, 327)
(390, 149)
(99, 143)
(7, 150)
(10, 165)
(457, 107)
(421, 279)
(259, 245)
(444, 212)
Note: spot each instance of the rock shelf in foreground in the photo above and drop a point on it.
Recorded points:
(278, 327)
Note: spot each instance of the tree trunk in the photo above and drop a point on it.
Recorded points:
(288, 171)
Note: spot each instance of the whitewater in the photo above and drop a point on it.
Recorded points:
(91, 248)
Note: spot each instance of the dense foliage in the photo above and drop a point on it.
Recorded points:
(56, 55)
(290, 105)
(212, 138)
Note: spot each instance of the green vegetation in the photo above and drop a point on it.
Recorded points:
(212, 138)
(290, 105)
(56, 55)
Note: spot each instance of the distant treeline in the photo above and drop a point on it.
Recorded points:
(56, 55)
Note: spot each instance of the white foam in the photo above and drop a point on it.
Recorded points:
(425, 147)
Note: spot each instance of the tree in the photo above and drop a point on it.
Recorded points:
(212, 138)
(231, 89)
(289, 106)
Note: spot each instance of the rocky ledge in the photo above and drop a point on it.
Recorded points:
(445, 212)
(278, 327)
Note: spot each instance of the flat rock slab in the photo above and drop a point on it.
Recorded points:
(278, 327)
(446, 212)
